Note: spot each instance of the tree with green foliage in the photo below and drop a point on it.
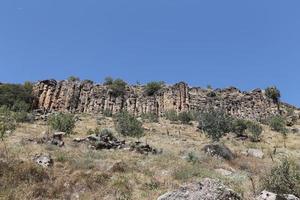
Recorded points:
(153, 87)
(108, 81)
(278, 123)
(7, 121)
(16, 96)
(215, 124)
(127, 125)
(63, 122)
(273, 93)
(284, 178)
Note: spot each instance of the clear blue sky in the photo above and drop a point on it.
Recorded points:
(247, 44)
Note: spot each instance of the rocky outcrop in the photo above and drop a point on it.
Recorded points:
(207, 189)
(265, 195)
(86, 97)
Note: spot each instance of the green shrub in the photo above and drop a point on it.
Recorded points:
(171, 115)
(239, 127)
(278, 123)
(153, 87)
(284, 178)
(107, 113)
(62, 122)
(127, 125)
(23, 117)
(16, 97)
(215, 124)
(7, 121)
(73, 79)
(255, 131)
(185, 117)
(150, 117)
(108, 81)
(273, 93)
(117, 86)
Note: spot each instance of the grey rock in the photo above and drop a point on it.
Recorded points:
(257, 153)
(265, 195)
(43, 160)
(208, 189)
(219, 150)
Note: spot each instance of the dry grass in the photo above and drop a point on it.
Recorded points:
(88, 174)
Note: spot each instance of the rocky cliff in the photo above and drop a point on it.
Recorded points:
(86, 97)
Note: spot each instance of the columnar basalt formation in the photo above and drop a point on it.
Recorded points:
(86, 97)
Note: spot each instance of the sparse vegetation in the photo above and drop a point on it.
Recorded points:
(64, 122)
(278, 123)
(150, 117)
(107, 113)
(127, 125)
(73, 79)
(239, 127)
(255, 131)
(284, 178)
(171, 115)
(153, 87)
(185, 117)
(117, 86)
(215, 124)
(7, 121)
(273, 93)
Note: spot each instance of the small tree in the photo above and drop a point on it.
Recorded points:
(153, 87)
(73, 79)
(215, 124)
(7, 123)
(185, 117)
(239, 127)
(255, 130)
(108, 81)
(273, 93)
(284, 178)
(117, 86)
(62, 122)
(127, 125)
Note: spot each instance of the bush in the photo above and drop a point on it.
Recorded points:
(73, 79)
(283, 178)
(127, 125)
(273, 93)
(117, 86)
(7, 121)
(153, 87)
(16, 97)
(171, 115)
(150, 117)
(107, 113)
(239, 127)
(277, 123)
(255, 130)
(215, 124)
(62, 122)
(185, 117)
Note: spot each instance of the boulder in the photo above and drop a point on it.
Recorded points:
(265, 195)
(219, 150)
(257, 153)
(208, 189)
(43, 160)
(141, 148)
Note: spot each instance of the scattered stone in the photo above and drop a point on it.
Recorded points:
(219, 150)
(265, 195)
(141, 148)
(44, 160)
(104, 141)
(223, 172)
(208, 189)
(254, 153)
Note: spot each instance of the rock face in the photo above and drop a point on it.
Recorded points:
(86, 97)
(265, 195)
(208, 189)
